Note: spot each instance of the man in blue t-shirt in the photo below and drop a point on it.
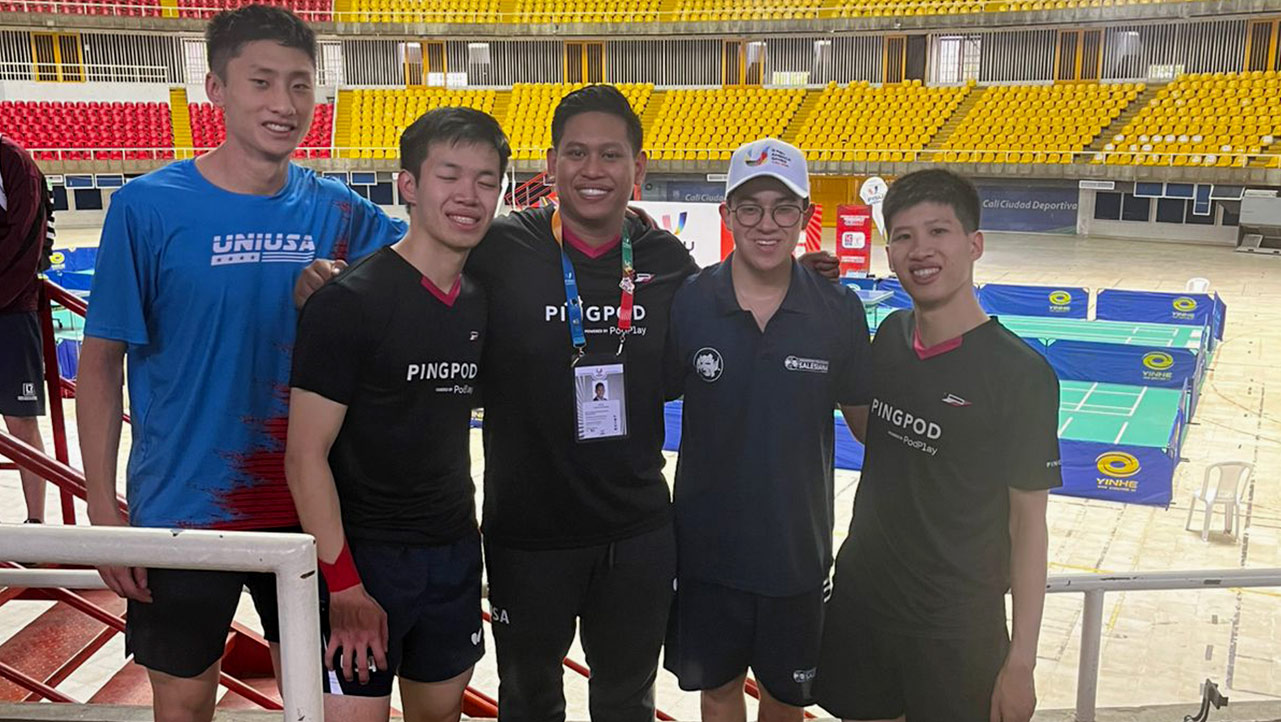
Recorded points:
(195, 274)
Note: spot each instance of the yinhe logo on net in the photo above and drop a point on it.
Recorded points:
(1060, 302)
(1184, 308)
(1157, 366)
(1116, 469)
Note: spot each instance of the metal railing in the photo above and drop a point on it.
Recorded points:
(85, 72)
(1095, 586)
(1037, 156)
(291, 557)
(111, 8)
(605, 13)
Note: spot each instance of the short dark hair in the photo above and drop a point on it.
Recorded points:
(231, 30)
(598, 99)
(451, 125)
(934, 185)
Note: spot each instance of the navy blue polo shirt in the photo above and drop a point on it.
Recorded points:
(754, 479)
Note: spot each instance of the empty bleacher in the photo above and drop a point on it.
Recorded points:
(375, 118)
(861, 122)
(721, 10)
(208, 130)
(89, 131)
(1036, 124)
(419, 11)
(709, 124)
(529, 118)
(1202, 120)
(313, 10)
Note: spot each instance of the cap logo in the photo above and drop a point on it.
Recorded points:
(758, 160)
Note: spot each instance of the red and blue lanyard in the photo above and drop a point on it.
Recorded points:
(574, 301)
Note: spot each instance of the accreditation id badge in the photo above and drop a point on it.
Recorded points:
(600, 398)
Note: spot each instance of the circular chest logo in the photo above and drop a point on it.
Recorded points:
(708, 364)
(1117, 464)
(1158, 360)
(57, 258)
(1185, 304)
(1060, 298)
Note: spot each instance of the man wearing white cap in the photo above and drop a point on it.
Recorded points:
(763, 349)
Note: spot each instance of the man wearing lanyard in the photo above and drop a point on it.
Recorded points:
(577, 518)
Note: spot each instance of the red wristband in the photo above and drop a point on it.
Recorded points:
(342, 573)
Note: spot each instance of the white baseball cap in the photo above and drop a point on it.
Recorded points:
(770, 158)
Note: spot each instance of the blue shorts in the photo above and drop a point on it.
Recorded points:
(432, 599)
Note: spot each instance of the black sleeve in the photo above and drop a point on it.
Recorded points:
(1030, 431)
(673, 366)
(855, 383)
(331, 345)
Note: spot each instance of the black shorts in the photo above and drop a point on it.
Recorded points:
(432, 599)
(21, 365)
(716, 633)
(869, 672)
(184, 628)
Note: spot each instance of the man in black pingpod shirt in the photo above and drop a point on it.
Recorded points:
(962, 449)
(378, 461)
(577, 518)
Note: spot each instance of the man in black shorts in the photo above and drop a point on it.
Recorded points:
(962, 449)
(378, 460)
(763, 350)
(24, 218)
(577, 517)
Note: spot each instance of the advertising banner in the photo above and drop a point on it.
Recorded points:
(1115, 363)
(1128, 474)
(1189, 309)
(697, 225)
(854, 240)
(1052, 301)
(1029, 208)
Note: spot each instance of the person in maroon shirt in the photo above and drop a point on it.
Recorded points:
(24, 218)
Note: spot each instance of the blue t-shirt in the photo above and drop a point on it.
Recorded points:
(198, 281)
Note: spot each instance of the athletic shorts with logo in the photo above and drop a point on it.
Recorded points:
(715, 633)
(869, 670)
(183, 629)
(21, 366)
(431, 595)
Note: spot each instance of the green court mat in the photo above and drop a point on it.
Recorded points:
(1119, 332)
(1122, 332)
(1117, 414)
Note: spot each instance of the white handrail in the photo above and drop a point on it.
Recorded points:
(1094, 586)
(291, 557)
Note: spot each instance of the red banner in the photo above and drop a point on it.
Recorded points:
(814, 231)
(854, 240)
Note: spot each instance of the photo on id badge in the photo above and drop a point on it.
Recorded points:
(600, 400)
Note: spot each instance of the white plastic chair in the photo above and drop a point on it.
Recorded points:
(1197, 285)
(1232, 476)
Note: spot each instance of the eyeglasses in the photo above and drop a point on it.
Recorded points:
(749, 215)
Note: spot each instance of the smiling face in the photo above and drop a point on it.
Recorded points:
(752, 214)
(456, 192)
(932, 254)
(267, 96)
(595, 168)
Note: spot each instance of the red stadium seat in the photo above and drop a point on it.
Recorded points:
(117, 129)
